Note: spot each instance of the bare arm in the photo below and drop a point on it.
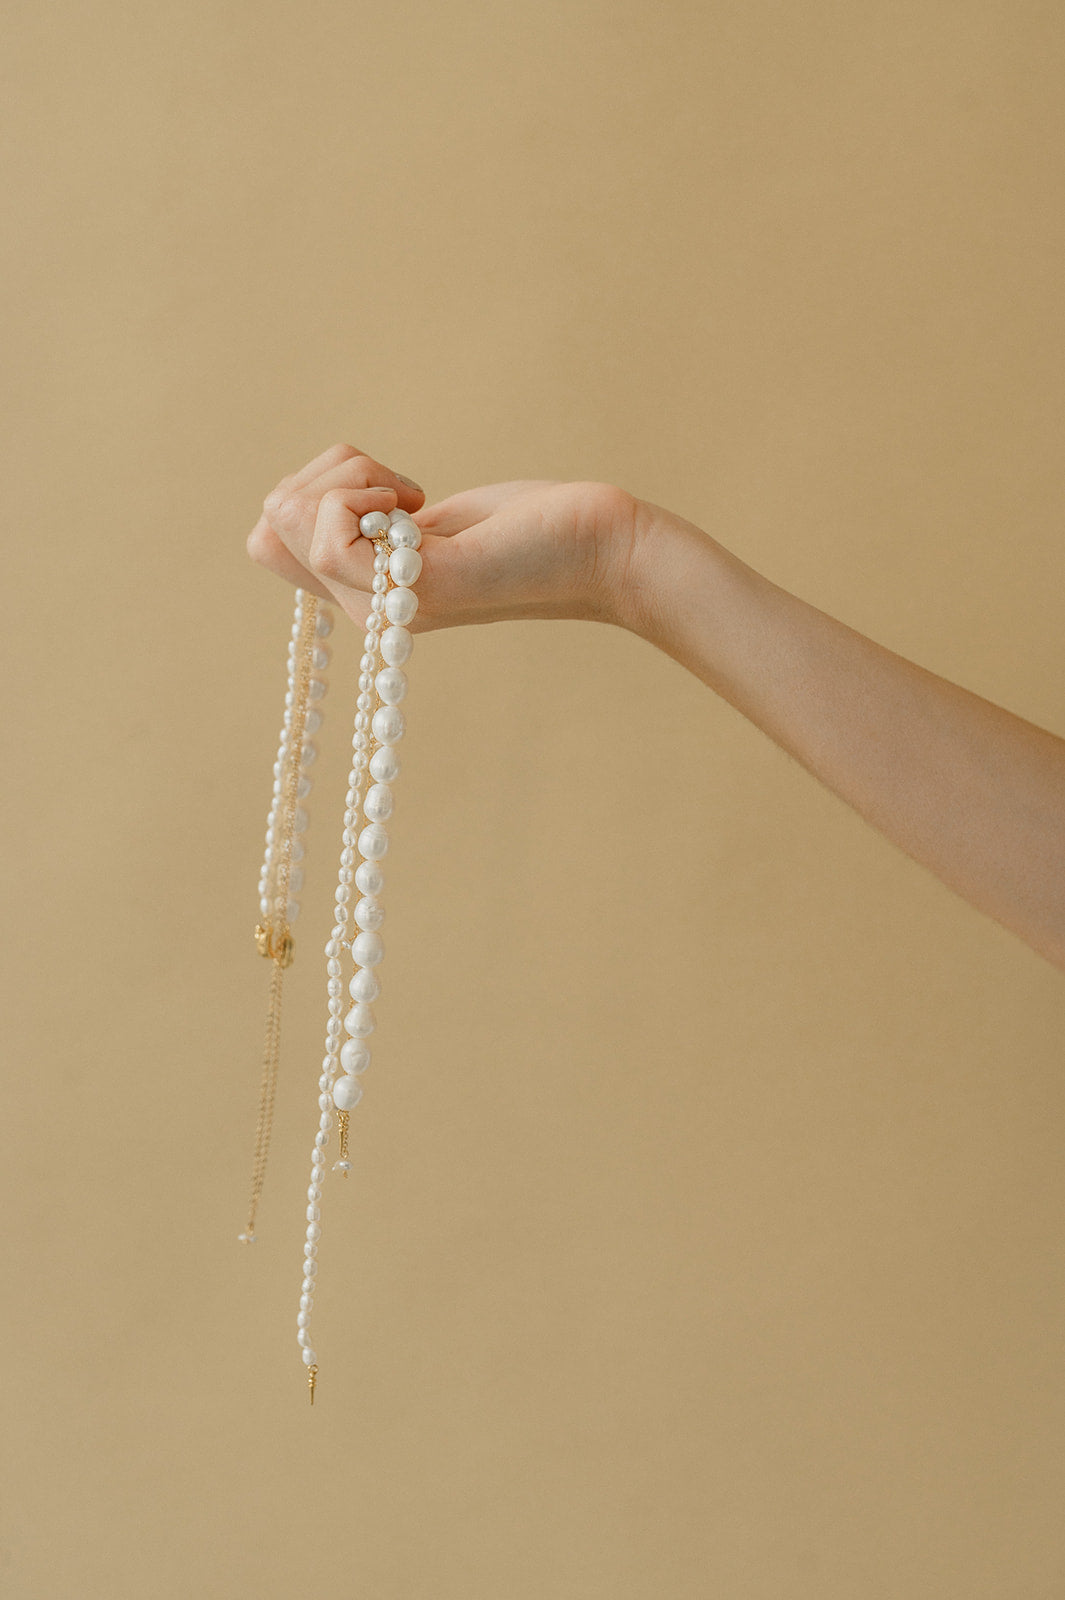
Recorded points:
(966, 788)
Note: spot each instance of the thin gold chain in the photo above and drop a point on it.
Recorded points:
(273, 936)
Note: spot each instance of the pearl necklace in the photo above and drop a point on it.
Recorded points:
(379, 725)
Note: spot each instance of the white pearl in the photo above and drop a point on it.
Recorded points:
(320, 658)
(323, 623)
(400, 605)
(309, 1358)
(398, 516)
(314, 1213)
(368, 949)
(310, 1267)
(380, 583)
(391, 685)
(404, 534)
(316, 689)
(369, 913)
(303, 1319)
(380, 562)
(306, 1303)
(292, 910)
(396, 646)
(314, 1194)
(321, 1138)
(362, 721)
(373, 842)
(377, 604)
(342, 894)
(313, 722)
(388, 724)
(303, 1338)
(332, 967)
(332, 949)
(313, 1231)
(374, 624)
(365, 701)
(373, 523)
(298, 851)
(405, 566)
(369, 879)
(308, 754)
(359, 1022)
(355, 1056)
(301, 820)
(365, 681)
(295, 879)
(369, 643)
(347, 1093)
(365, 985)
(384, 764)
(378, 802)
(303, 788)
(310, 1249)
(266, 905)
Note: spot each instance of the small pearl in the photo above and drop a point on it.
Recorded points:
(302, 819)
(308, 754)
(365, 681)
(314, 1194)
(396, 646)
(365, 702)
(316, 689)
(325, 1122)
(388, 725)
(313, 722)
(400, 605)
(306, 1303)
(368, 949)
(378, 802)
(333, 967)
(332, 949)
(310, 1249)
(321, 1139)
(303, 1338)
(355, 1056)
(292, 910)
(373, 523)
(320, 658)
(310, 1267)
(295, 879)
(323, 622)
(391, 685)
(347, 1093)
(367, 662)
(323, 1101)
(373, 842)
(313, 1213)
(298, 850)
(341, 1166)
(313, 1231)
(380, 562)
(266, 905)
(405, 566)
(369, 913)
(377, 604)
(362, 720)
(365, 985)
(303, 788)
(303, 1319)
(398, 516)
(380, 583)
(369, 643)
(369, 879)
(359, 1022)
(342, 894)
(309, 1358)
(374, 624)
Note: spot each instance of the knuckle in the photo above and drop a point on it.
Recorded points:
(333, 500)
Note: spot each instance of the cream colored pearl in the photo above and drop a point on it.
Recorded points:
(347, 1093)
(396, 646)
(400, 605)
(378, 802)
(405, 566)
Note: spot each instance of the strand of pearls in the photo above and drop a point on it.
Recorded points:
(281, 876)
(268, 878)
(379, 725)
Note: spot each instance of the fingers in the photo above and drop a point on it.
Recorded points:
(338, 553)
(266, 549)
(342, 466)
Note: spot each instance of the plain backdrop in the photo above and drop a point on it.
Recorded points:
(705, 1235)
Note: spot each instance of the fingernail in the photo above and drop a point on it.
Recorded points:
(410, 483)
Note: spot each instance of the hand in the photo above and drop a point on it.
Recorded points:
(530, 548)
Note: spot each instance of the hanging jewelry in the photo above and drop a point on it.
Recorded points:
(282, 876)
(379, 725)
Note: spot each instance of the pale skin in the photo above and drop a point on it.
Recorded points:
(969, 790)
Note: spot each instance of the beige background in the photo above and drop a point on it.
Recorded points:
(706, 1234)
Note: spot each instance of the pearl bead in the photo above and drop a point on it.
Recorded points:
(378, 802)
(314, 1194)
(398, 516)
(355, 1056)
(384, 764)
(303, 788)
(373, 842)
(303, 1319)
(297, 850)
(347, 1093)
(316, 689)
(313, 722)
(332, 967)
(359, 1022)
(306, 1302)
(368, 949)
(396, 646)
(313, 1231)
(303, 1338)
(365, 681)
(314, 1213)
(308, 754)
(292, 910)
(320, 658)
(295, 879)
(404, 534)
(374, 624)
(391, 685)
(301, 820)
(341, 1166)
(380, 562)
(365, 701)
(380, 583)
(369, 643)
(373, 523)
(310, 1249)
(369, 879)
(309, 1358)
(377, 604)
(388, 725)
(323, 623)
(369, 913)
(400, 605)
(365, 985)
(405, 566)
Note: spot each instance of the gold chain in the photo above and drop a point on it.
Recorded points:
(273, 936)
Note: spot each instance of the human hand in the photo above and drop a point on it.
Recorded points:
(529, 548)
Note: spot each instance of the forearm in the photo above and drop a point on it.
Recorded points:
(966, 788)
